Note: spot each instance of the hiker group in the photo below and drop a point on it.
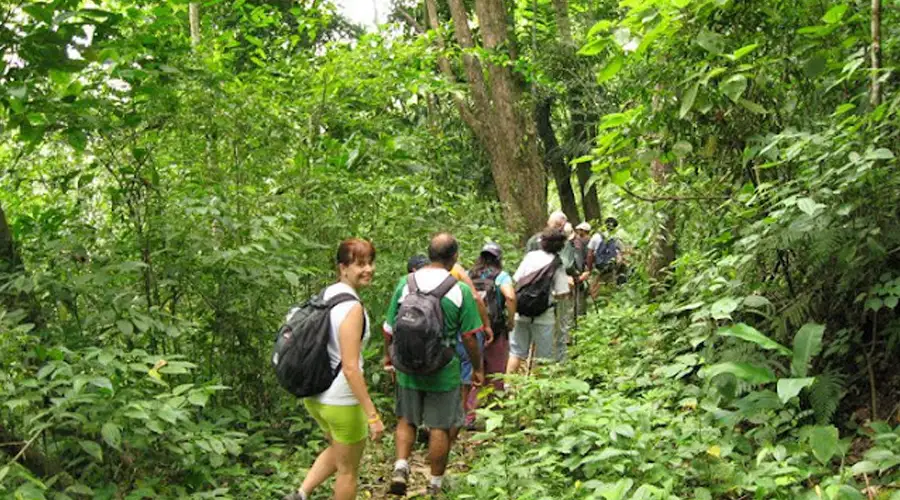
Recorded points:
(449, 336)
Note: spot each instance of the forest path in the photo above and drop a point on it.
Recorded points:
(378, 462)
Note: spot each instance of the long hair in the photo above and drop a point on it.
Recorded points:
(485, 262)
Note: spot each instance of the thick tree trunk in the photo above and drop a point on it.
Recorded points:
(555, 160)
(663, 250)
(875, 93)
(497, 116)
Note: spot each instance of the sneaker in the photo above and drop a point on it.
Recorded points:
(398, 482)
(434, 491)
(293, 496)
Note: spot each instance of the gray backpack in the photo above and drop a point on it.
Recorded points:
(418, 340)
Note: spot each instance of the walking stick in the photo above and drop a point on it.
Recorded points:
(530, 362)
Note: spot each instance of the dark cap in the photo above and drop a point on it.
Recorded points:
(493, 249)
(416, 262)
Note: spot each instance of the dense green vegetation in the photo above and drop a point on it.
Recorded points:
(163, 200)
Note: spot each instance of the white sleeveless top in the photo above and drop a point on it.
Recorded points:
(339, 394)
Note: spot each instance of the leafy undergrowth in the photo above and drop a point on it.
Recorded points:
(639, 413)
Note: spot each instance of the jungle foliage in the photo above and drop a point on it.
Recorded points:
(163, 203)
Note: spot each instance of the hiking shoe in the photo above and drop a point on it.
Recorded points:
(292, 496)
(434, 491)
(398, 482)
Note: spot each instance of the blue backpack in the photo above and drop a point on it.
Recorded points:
(606, 253)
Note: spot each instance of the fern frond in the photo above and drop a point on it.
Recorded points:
(825, 395)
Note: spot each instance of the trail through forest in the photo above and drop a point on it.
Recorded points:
(174, 175)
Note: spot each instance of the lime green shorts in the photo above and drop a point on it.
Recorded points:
(345, 424)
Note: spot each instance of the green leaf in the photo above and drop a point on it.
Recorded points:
(125, 326)
(880, 154)
(292, 278)
(3, 472)
(711, 41)
(807, 344)
(744, 371)
(593, 47)
(756, 301)
(682, 149)
(863, 467)
(687, 100)
(723, 308)
(18, 92)
(746, 332)
(741, 52)
(809, 206)
(873, 304)
(611, 68)
(891, 302)
(790, 387)
(93, 449)
(734, 86)
(603, 25)
(112, 434)
(753, 107)
(76, 138)
(198, 397)
(620, 177)
(824, 441)
(834, 14)
(102, 382)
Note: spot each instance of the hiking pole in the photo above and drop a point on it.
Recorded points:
(530, 362)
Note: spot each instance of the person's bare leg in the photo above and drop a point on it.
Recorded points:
(347, 458)
(405, 438)
(512, 366)
(321, 469)
(439, 450)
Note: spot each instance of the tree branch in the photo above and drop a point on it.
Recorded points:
(411, 21)
(464, 111)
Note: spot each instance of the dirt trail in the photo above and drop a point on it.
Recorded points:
(378, 461)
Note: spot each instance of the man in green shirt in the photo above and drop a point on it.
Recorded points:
(435, 401)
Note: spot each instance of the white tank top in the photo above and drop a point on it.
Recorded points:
(339, 394)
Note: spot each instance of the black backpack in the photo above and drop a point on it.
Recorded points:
(493, 300)
(533, 291)
(606, 253)
(418, 345)
(300, 356)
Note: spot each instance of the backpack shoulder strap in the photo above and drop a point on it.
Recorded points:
(340, 299)
(445, 287)
(411, 283)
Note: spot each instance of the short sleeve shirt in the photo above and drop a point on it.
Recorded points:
(533, 262)
(595, 242)
(461, 318)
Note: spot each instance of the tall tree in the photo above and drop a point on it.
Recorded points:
(555, 159)
(496, 113)
(583, 120)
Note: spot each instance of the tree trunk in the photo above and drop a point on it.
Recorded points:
(9, 255)
(194, 17)
(663, 250)
(582, 133)
(496, 114)
(582, 120)
(875, 93)
(555, 160)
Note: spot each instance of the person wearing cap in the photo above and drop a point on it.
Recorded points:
(557, 221)
(489, 278)
(610, 273)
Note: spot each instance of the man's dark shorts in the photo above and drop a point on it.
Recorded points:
(437, 410)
